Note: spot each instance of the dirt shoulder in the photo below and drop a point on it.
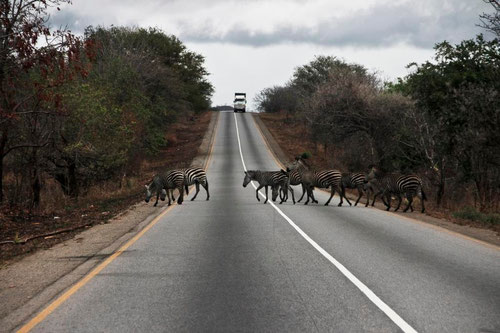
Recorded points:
(29, 284)
(277, 142)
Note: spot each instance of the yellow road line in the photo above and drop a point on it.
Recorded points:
(435, 227)
(61, 299)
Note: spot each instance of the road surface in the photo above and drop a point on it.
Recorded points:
(235, 264)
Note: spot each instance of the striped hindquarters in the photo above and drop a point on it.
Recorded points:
(195, 175)
(327, 178)
(174, 179)
(409, 184)
(402, 184)
(354, 180)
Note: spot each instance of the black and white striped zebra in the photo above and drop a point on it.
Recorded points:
(295, 170)
(401, 185)
(275, 179)
(322, 179)
(294, 179)
(163, 183)
(196, 176)
(354, 181)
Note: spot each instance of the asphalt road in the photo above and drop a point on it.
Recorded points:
(235, 264)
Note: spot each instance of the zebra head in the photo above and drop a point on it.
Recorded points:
(298, 164)
(275, 191)
(248, 178)
(149, 194)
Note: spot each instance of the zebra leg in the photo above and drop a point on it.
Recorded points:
(291, 191)
(360, 191)
(367, 197)
(342, 194)
(197, 185)
(309, 193)
(399, 202)
(312, 195)
(422, 199)
(187, 188)
(266, 194)
(171, 193)
(341, 200)
(303, 192)
(409, 197)
(205, 185)
(157, 196)
(168, 196)
(181, 195)
(282, 194)
(389, 199)
(375, 195)
(332, 192)
(257, 192)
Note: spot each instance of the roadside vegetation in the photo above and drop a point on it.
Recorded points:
(441, 121)
(84, 119)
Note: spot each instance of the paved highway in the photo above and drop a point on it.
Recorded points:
(234, 264)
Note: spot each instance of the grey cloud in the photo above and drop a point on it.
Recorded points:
(377, 27)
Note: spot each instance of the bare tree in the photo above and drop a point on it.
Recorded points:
(491, 22)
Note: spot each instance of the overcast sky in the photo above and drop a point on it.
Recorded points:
(253, 44)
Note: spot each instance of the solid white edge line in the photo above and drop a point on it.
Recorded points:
(400, 322)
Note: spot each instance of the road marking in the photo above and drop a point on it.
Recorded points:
(61, 299)
(410, 219)
(400, 322)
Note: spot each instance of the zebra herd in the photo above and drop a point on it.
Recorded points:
(164, 184)
(299, 173)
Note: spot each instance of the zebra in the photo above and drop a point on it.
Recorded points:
(162, 183)
(322, 179)
(294, 179)
(275, 179)
(294, 173)
(196, 176)
(399, 185)
(354, 181)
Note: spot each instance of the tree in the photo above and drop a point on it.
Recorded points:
(491, 22)
(30, 74)
(460, 93)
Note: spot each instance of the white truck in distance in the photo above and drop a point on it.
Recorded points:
(240, 102)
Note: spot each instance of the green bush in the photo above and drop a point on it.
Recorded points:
(470, 213)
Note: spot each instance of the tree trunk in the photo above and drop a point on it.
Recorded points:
(3, 144)
(72, 182)
(441, 184)
(1, 177)
(36, 186)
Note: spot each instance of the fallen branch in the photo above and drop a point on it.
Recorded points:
(60, 231)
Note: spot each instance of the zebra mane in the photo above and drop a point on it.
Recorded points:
(252, 173)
